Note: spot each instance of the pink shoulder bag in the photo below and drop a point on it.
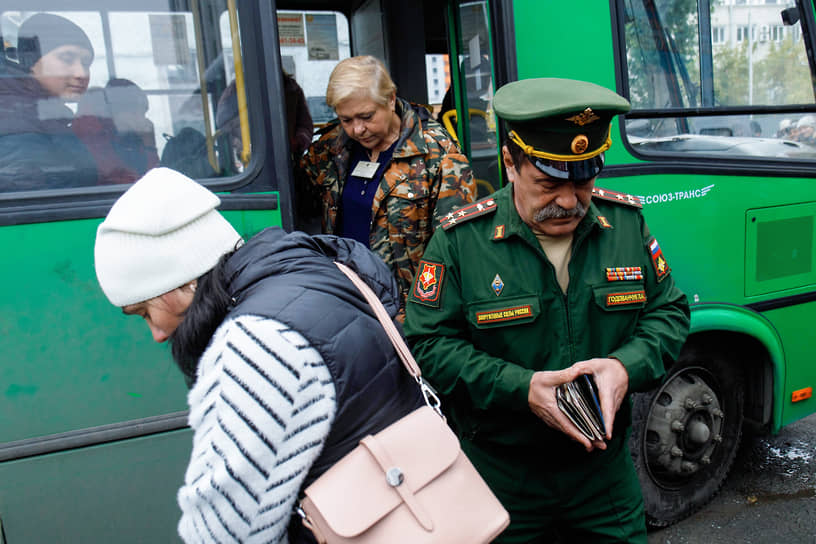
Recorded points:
(408, 484)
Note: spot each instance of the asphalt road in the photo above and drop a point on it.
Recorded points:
(769, 496)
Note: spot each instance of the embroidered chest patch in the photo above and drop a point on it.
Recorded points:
(629, 297)
(428, 283)
(504, 314)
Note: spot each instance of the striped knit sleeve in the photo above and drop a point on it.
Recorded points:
(260, 410)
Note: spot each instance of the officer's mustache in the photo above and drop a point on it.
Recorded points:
(554, 211)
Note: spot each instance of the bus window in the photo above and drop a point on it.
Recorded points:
(311, 45)
(745, 57)
(148, 96)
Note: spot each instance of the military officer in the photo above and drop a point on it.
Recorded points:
(546, 280)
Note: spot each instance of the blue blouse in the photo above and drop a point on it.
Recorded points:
(358, 195)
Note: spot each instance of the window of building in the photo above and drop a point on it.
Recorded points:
(718, 34)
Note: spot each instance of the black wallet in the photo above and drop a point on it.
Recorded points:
(579, 402)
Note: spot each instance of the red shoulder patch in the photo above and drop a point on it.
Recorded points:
(466, 213)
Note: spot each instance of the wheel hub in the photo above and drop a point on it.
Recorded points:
(684, 427)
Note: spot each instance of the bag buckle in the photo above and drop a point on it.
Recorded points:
(430, 396)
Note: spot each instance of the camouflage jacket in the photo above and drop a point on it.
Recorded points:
(427, 178)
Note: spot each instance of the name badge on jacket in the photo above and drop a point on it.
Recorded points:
(365, 169)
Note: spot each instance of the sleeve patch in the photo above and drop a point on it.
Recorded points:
(661, 267)
(427, 288)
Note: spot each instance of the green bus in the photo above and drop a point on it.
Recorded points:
(718, 147)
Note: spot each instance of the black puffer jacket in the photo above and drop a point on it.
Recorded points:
(292, 278)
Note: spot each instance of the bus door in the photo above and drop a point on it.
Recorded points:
(467, 109)
(93, 438)
(416, 41)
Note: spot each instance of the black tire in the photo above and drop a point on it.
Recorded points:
(685, 435)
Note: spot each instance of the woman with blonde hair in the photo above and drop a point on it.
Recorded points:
(384, 172)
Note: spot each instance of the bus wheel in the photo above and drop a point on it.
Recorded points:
(685, 436)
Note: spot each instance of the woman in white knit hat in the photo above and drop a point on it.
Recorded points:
(288, 368)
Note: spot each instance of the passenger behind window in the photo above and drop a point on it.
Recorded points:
(227, 122)
(299, 121)
(112, 123)
(38, 149)
(805, 130)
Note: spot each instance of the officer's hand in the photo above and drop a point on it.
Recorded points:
(612, 381)
(541, 399)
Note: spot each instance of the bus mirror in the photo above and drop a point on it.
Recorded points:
(790, 16)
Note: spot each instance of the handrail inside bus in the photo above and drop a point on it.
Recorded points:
(202, 82)
(449, 117)
(240, 86)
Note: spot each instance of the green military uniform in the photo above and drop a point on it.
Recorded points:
(486, 311)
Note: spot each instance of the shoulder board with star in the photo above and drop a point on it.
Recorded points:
(614, 196)
(466, 213)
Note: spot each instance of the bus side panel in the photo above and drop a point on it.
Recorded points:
(553, 41)
(721, 266)
(123, 492)
(249, 223)
(70, 359)
(795, 325)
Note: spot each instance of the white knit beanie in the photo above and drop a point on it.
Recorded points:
(162, 233)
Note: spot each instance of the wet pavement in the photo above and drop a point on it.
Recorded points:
(769, 496)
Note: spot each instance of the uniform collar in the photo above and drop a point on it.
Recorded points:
(508, 223)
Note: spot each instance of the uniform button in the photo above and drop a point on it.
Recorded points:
(410, 195)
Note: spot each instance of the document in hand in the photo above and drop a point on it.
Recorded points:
(580, 403)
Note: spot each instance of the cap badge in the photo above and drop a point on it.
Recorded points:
(497, 285)
(579, 144)
(584, 118)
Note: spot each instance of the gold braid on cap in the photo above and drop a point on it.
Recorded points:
(530, 150)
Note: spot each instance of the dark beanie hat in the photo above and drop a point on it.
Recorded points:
(44, 32)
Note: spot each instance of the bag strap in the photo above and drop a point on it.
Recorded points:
(430, 396)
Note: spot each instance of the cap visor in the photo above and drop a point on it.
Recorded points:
(572, 170)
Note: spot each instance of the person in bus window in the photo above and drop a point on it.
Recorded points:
(385, 173)
(113, 125)
(544, 281)
(289, 368)
(298, 119)
(38, 149)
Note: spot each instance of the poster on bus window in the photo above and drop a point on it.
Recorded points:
(321, 36)
(290, 29)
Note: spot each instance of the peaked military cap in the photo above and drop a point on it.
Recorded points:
(562, 125)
